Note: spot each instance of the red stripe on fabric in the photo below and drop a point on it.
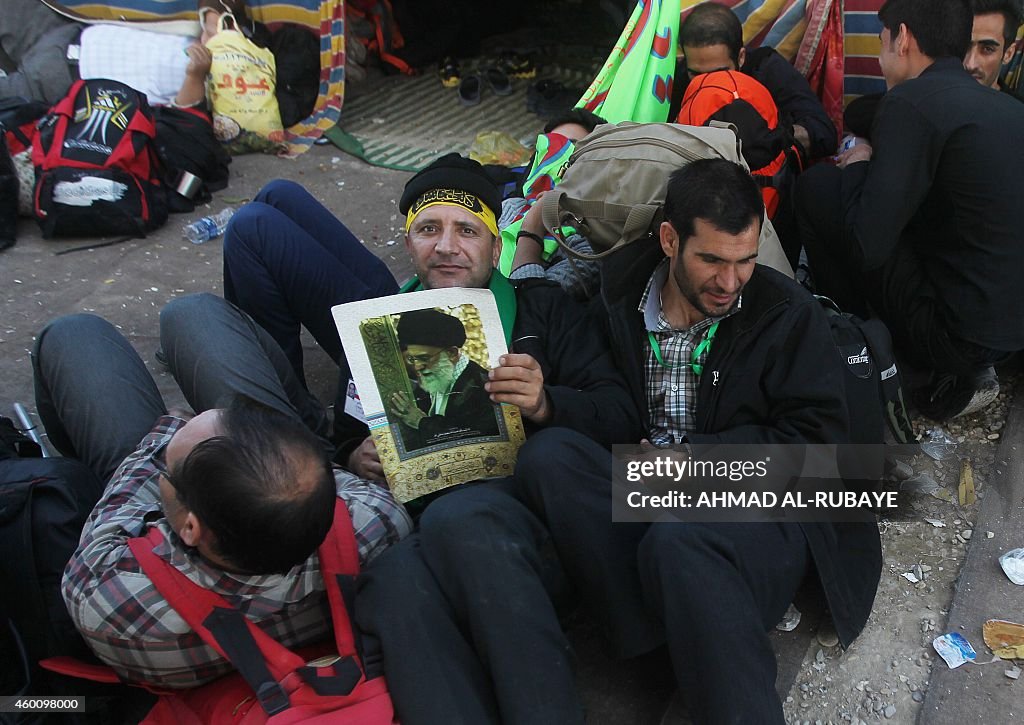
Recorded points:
(862, 6)
(862, 67)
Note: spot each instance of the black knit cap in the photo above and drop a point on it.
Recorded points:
(452, 171)
(430, 327)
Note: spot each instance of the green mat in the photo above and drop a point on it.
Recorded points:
(405, 122)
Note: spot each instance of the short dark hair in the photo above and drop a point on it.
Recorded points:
(235, 7)
(718, 191)
(264, 488)
(942, 28)
(580, 116)
(713, 24)
(1009, 9)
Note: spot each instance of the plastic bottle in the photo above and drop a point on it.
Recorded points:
(209, 227)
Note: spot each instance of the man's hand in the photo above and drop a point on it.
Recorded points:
(365, 463)
(199, 61)
(528, 251)
(405, 409)
(520, 381)
(860, 151)
(193, 88)
(803, 138)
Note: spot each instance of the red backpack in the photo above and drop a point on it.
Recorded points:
(97, 171)
(734, 97)
(272, 685)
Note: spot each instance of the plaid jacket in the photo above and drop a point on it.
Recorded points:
(129, 625)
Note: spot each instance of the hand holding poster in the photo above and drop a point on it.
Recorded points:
(420, 363)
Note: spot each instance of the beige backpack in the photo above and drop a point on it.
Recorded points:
(614, 184)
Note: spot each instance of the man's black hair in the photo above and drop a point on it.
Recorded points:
(580, 116)
(712, 24)
(1009, 9)
(718, 191)
(264, 488)
(942, 28)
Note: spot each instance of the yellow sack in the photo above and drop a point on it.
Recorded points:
(241, 89)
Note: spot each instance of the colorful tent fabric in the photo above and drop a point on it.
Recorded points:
(635, 83)
(861, 28)
(326, 17)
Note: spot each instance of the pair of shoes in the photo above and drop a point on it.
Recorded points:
(548, 98)
(471, 86)
(449, 71)
(951, 396)
(518, 65)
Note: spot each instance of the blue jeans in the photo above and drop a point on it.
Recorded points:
(97, 400)
(288, 260)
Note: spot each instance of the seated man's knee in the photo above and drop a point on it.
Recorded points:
(468, 515)
(186, 318)
(71, 331)
(549, 448)
(279, 189)
(242, 232)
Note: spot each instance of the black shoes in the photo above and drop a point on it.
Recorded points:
(951, 396)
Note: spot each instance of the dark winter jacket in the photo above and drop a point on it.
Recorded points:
(773, 375)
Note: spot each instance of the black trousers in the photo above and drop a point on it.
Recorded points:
(899, 293)
(710, 591)
(464, 610)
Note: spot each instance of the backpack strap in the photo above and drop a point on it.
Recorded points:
(262, 661)
(880, 343)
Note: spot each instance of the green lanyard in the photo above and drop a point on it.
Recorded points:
(701, 348)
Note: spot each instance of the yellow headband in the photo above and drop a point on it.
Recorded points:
(453, 197)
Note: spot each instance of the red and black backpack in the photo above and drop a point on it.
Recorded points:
(737, 98)
(97, 170)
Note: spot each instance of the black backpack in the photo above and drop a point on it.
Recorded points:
(185, 144)
(44, 503)
(874, 391)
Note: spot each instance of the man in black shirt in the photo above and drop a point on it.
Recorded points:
(921, 225)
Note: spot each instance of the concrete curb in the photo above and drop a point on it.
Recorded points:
(974, 693)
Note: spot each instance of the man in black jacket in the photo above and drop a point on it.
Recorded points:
(921, 225)
(716, 349)
(440, 633)
(711, 39)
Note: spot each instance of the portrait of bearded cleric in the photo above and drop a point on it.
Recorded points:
(439, 398)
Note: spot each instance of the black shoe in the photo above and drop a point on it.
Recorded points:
(498, 80)
(469, 91)
(952, 396)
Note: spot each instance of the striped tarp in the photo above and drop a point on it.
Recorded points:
(861, 27)
(326, 17)
(776, 23)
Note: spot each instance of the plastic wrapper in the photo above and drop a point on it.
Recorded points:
(495, 147)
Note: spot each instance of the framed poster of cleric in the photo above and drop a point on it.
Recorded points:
(419, 363)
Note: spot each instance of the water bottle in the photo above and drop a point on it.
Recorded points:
(209, 227)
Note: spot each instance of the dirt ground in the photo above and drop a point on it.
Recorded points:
(884, 676)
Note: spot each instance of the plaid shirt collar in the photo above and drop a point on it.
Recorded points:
(672, 386)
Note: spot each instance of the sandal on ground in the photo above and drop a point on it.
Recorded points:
(498, 80)
(469, 91)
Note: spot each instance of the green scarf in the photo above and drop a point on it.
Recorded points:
(504, 296)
